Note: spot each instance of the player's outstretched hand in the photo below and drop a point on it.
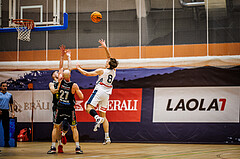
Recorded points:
(102, 42)
(62, 48)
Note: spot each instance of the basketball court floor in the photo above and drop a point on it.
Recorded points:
(34, 150)
(49, 12)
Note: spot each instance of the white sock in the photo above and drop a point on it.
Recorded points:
(96, 117)
(59, 142)
(53, 144)
(106, 135)
(77, 144)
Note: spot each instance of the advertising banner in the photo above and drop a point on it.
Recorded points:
(38, 100)
(197, 104)
(124, 106)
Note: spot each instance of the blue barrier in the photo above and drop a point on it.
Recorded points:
(42, 28)
(12, 133)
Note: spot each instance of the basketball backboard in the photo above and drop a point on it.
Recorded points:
(46, 14)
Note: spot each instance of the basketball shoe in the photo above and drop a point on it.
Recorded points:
(107, 141)
(60, 148)
(99, 121)
(52, 150)
(78, 150)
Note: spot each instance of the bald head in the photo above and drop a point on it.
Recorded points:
(66, 74)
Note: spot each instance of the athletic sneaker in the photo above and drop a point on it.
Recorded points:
(99, 121)
(107, 141)
(60, 148)
(52, 150)
(78, 150)
(64, 139)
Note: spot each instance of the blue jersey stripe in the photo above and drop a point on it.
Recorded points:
(92, 96)
(65, 103)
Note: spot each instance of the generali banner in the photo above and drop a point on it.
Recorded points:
(197, 104)
(124, 106)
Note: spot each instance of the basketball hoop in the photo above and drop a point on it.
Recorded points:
(24, 27)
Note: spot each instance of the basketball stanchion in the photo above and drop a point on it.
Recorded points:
(30, 87)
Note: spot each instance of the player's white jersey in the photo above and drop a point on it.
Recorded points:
(104, 81)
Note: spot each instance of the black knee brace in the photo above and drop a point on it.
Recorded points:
(65, 125)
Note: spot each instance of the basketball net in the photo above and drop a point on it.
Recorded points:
(24, 27)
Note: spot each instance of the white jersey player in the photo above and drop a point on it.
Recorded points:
(105, 80)
(101, 91)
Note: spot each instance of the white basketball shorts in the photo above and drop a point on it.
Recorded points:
(100, 98)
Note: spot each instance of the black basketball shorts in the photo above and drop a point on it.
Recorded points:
(61, 114)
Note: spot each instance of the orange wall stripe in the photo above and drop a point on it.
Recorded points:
(91, 54)
(157, 51)
(190, 50)
(224, 49)
(34, 55)
(8, 56)
(127, 52)
(54, 55)
(99, 53)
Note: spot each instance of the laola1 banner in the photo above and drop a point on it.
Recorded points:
(197, 104)
(124, 106)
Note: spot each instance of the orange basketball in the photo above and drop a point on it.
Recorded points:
(96, 16)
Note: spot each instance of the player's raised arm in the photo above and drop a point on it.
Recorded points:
(103, 45)
(68, 53)
(63, 51)
(91, 73)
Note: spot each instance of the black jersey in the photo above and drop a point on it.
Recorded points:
(66, 98)
(56, 95)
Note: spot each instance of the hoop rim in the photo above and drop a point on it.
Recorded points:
(25, 22)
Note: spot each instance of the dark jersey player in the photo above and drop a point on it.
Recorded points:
(65, 108)
(56, 133)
